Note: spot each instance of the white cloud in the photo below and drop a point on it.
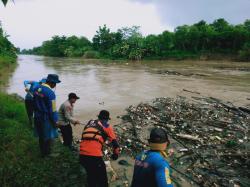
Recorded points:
(178, 12)
(29, 22)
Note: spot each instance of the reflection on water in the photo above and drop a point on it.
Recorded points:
(110, 86)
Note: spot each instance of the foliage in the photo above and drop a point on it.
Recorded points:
(20, 161)
(7, 57)
(62, 47)
(6, 47)
(187, 41)
(4, 2)
(91, 54)
(245, 52)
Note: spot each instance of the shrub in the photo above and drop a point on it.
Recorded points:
(244, 54)
(91, 54)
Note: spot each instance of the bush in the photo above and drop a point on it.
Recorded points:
(91, 54)
(244, 54)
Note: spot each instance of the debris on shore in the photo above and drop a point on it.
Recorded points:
(210, 138)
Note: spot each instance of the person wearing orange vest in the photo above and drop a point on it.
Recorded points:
(94, 135)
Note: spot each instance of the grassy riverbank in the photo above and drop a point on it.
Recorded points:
(20, 161)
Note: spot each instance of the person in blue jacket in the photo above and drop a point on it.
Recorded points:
(151, 167)
(45, 113)
(29, 88)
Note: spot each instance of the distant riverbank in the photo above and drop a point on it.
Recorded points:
(202, 40)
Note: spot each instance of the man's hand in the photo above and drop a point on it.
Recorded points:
(115, 154)
(77, 122)
(58, 124)
(170, 152)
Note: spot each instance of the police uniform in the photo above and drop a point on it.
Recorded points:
(151, 168)
(45, 115)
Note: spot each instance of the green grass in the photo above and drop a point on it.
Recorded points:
(20, 161)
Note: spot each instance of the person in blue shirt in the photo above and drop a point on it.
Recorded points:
(151, 167)
(29, 88)
(45, 113)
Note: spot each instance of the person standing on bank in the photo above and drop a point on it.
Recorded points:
(45, 113)
(66, 118)
(94, 135)
(151, 167)
(29, 88)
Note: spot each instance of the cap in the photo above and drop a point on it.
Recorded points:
(158, 140)
(73, 96)
(158, 135)
(104, 114)
(54, 78)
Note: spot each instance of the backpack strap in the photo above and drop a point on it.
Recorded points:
(99, 131)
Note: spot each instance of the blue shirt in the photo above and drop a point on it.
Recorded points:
(45, 103)
(151, 170)
(33, 85)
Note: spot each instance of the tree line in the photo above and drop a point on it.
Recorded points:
(186, 41)
(7, 49)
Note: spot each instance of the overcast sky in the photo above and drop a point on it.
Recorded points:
(30, 22)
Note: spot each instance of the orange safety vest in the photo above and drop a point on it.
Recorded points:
(94, 136)
(94, 131)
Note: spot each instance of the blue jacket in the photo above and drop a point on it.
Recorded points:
(45, 110)
(151, 170)
(33, 85)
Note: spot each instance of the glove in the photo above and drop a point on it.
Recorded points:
(114, 156)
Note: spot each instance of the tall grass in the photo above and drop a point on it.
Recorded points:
(20, 161)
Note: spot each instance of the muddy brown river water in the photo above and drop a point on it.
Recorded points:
(114, 85)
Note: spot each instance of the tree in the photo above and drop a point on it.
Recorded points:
(4, 2)
(130, 32)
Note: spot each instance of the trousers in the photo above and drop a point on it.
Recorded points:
(96, 171)
(67, 135)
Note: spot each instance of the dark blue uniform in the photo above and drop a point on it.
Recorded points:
(151, 170)
(45, 116)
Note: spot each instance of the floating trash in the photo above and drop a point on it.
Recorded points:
(211, 137)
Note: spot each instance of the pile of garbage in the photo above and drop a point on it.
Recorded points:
(210, 138)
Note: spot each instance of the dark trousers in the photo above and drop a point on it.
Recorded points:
(30, 110)
(44, 145)
(67, 135)
(96, 171)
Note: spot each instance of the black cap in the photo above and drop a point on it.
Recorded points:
(104, 115)
(73, 96)
(158, 135)
(53, 78)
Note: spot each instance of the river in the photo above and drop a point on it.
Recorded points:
(115, 85)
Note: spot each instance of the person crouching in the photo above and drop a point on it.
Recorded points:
(94, 135)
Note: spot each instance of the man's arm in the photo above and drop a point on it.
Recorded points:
(112, 138)
(53, 116)
(26, 84)
(68, 115)
(162, 174)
